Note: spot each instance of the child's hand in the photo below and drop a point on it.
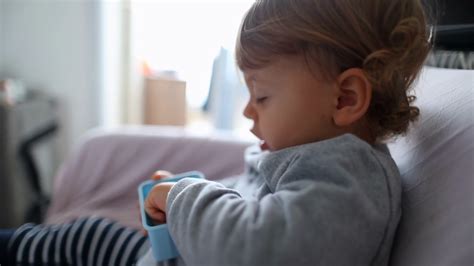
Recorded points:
(156, 176)
(155, 203)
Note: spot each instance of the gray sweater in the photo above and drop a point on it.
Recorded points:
(333, 202)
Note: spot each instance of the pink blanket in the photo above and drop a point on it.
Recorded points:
(102, 175)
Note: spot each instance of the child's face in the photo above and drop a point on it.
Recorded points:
(289, 105)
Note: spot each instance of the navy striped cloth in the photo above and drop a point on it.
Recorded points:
(85, 241)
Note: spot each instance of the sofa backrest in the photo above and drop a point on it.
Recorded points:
(437, 167)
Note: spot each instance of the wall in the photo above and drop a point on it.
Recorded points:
(54, 46)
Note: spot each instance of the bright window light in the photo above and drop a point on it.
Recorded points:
(186, 36)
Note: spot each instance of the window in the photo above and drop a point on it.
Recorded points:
(186, 37)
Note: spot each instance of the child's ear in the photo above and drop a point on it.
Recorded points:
(353, 97)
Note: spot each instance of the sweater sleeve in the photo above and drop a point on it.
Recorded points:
(314, 214)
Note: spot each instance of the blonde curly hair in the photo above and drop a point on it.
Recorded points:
(389, 40)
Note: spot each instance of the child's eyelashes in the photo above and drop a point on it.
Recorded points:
(260, 100)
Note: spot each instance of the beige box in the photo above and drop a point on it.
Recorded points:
(165, 102)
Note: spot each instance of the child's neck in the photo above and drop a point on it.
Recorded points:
(368, 137)
(362, 130)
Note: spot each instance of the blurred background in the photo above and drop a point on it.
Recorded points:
(94, 56)
(67, 66)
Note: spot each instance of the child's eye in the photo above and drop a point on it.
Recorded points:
(261, 99)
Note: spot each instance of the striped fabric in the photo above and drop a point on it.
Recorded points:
(85, 241)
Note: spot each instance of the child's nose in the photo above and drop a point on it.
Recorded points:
(249, 111)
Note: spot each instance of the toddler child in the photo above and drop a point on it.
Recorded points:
(328, 83)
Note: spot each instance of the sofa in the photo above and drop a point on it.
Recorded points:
(436, 161)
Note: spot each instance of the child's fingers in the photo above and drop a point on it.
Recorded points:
(160, 174)
(154, 212)
(157, 216)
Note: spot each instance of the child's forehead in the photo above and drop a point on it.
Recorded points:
(254, 75)
(278, 67)
(265, 71)
(257, 77)
(250, 74)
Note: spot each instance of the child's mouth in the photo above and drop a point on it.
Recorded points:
(264, 146)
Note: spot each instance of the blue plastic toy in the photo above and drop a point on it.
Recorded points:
(161, 243)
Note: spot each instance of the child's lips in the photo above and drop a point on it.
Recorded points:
(264, 146)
